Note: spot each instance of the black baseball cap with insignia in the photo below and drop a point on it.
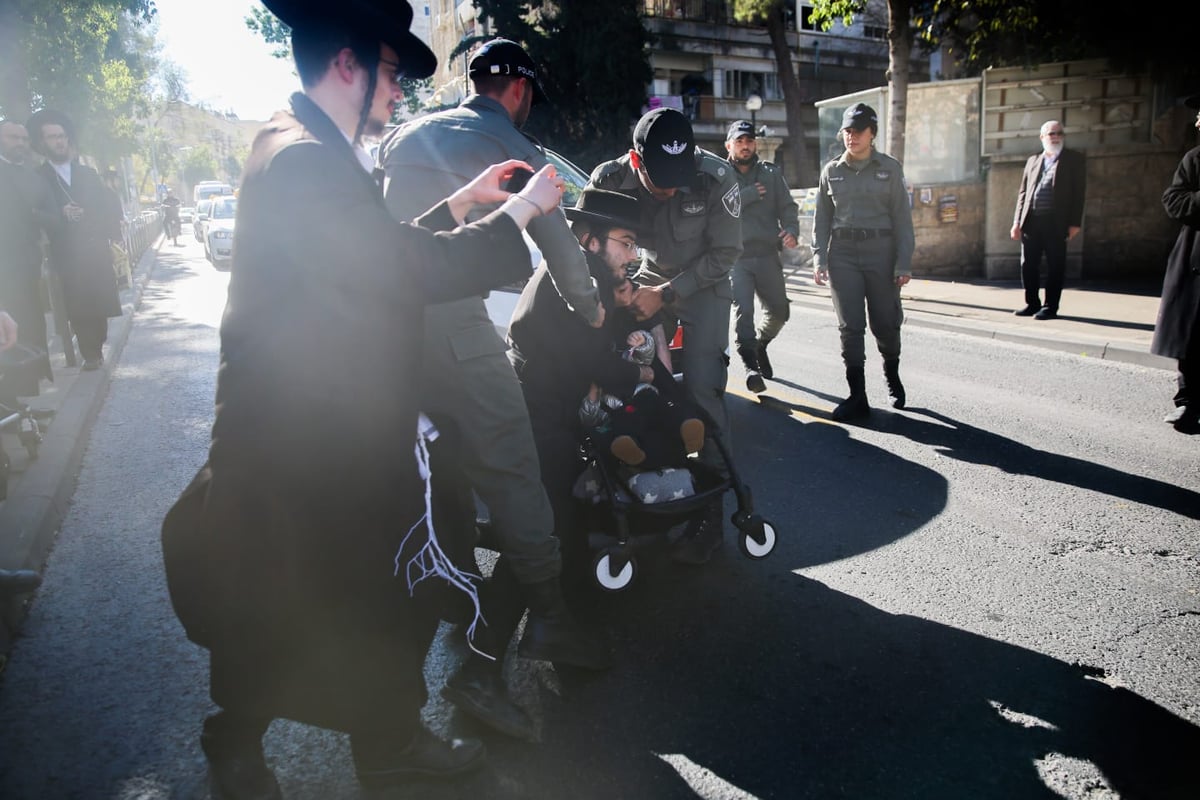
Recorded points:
(666, 145)
(860, 116)
(738, 129)
(506, 57)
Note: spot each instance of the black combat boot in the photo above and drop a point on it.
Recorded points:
(891, 371)
(855, 406)
(754, 378)
(552, 633)
(764, 363)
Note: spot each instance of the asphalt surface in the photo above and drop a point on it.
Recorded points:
(991, 594)
(1113, 322)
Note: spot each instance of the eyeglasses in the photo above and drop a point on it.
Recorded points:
(397, 78)
(630, 247)
(1054, 133)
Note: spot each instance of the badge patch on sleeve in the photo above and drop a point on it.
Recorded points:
(733, 201)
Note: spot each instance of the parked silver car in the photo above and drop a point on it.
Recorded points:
(218, 231)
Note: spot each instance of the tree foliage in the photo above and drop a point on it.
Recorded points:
(593, 61)
(771, 14)
(92, 59)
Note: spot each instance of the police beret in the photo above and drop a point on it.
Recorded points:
(388, 21)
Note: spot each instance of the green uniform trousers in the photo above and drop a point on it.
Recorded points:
(468, 377)
(704, 315)
(760, 276)
(862, 271)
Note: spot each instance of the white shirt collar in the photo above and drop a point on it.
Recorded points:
(364, 158)
(64, 171)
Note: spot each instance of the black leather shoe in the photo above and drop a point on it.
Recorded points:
(853, 407)
(1027, 311)
(482, 694)
(426, 755)
(1046, 312)
(1185, 419)
(18, 581)
(242, 778)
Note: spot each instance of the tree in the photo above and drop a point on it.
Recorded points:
(594, 65)
(771, 14)
(93, 60)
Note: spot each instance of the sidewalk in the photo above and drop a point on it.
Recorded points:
(1109, 322)
(39, 490)
(1097, 320)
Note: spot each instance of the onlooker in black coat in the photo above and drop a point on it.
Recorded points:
(1177, 333)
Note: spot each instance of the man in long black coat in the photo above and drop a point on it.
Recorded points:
(1177, 333)
(81, 246)
(284, 556)
(26, 213)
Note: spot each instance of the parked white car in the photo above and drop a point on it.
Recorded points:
(202, 209)
(218, 231)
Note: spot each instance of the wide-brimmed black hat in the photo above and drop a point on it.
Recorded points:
(611, 209)
(48, 116)
(664, 140)
(387, 21)
(506, 57)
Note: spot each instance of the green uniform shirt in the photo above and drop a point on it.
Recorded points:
(693, 238)
(871, 195)
(764, 217)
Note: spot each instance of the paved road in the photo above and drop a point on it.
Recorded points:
(993, 594)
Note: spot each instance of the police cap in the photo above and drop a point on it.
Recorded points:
(739, 129)
(505, 57)
(860, 116)
(664, 142)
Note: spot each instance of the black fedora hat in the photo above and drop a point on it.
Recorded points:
(385, 20)
(613, 209)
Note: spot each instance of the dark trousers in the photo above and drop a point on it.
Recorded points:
(1189, 374)
(1041, 236)
(91, 332)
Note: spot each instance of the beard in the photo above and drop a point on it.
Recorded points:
(745, 161)
(1053, 148)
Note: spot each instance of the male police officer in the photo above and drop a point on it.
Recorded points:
(770, 219)
(691, 207)
(466, 375)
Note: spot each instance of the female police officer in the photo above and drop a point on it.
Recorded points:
(863, 245)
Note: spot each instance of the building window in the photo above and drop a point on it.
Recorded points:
(740, 84)
(806, 22)
(875, 32)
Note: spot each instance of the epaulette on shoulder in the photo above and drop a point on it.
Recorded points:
(605, 170)
(711, 164)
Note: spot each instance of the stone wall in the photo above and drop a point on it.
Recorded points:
(1126, 235)
(949, 247)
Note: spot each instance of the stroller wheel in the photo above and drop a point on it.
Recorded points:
(602, 569)
(751, 547)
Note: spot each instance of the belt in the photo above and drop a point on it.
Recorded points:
(861, 234)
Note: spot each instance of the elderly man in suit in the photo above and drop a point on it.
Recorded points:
(1049, 213)
(295, 555)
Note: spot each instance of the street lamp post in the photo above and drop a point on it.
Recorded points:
(753, 104)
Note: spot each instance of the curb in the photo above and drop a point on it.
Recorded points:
(30, 517)
(1088, 348)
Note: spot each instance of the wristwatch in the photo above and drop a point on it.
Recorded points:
(667, 294)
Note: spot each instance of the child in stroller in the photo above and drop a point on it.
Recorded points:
(652, 429)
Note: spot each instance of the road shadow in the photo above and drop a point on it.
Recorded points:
(975, 445)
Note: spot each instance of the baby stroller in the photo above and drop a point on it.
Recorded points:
(20, 367)
(633, 523)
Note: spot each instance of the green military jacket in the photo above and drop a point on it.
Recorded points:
(693, 238)
(872, 197)
(763, 217)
